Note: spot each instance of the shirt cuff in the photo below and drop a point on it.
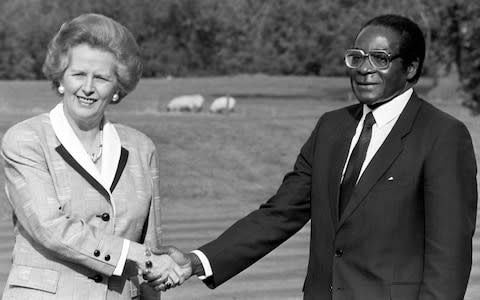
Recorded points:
(123, 258)
(205, 263)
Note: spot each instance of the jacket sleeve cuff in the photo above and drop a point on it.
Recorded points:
(205, 263)
(123, 258)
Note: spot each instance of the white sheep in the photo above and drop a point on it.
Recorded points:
(223, 104)
(191, 103)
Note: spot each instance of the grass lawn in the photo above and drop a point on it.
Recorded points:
(216, 168)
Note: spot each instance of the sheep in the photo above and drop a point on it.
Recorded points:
(223, 104)
(191, 103)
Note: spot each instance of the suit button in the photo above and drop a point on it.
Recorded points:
(97, 278)
(105, 217)
(330, 288)
(107, 257)
(338, 252)
(96, 253)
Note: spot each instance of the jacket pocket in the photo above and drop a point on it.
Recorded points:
(34, 278)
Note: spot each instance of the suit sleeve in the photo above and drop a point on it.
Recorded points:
(32, 195)
(254, 236)
(153, 228)
(450, 196)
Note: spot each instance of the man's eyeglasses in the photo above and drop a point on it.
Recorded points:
(379, 59)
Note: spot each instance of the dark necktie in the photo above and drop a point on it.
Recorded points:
(355, 162)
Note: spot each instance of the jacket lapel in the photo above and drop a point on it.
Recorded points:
(385, 156)
(113, 163)
(89, 178)
(121, 166)
(72, 162)
(72, 151)
(344, 134)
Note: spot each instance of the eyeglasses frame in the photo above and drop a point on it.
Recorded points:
(365, 55)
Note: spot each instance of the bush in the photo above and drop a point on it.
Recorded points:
(277, 37)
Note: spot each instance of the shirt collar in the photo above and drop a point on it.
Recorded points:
(390, 110)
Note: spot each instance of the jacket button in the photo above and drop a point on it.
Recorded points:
(97, 278)
(96, 253)
(338, 252)
(105, 217)
(330, 288)
(107, 257)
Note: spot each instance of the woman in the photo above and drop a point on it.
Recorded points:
(84, 190)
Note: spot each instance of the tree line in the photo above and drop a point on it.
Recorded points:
(220, 37)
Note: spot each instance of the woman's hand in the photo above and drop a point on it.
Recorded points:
(183, 269)
(160, 271)
(164, 273)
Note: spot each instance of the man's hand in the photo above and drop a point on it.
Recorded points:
(163, 274)
(170, 276)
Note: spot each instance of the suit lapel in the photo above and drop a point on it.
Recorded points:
(71, 143)
(115, 158)
(88, 177)
(121, 166)
(71, 150)
(385, 156)
(344, 134)
(70, 160)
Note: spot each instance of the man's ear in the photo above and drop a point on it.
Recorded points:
(412, 69)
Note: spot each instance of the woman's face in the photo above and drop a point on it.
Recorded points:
(90, 84)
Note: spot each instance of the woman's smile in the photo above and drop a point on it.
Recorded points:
(86, 101)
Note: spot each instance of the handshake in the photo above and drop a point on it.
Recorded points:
(168, 267)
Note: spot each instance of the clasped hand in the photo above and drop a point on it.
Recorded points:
(169, 268)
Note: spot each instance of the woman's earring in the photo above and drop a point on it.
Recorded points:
(115, 97)
(61, 89)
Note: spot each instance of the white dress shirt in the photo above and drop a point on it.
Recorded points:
(385, 118)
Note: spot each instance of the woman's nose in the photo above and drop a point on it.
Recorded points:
(87, 86)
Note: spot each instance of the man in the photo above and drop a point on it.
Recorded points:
(389, 185)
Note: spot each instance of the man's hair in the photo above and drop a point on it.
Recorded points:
(99, 32)
(412, 41)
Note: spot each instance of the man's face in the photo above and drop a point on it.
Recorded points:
(369, 84)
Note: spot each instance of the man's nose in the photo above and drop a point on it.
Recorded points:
(366, 66)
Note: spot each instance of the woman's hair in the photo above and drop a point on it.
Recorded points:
(99, 32)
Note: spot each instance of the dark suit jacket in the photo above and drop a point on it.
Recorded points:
(407, 230)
